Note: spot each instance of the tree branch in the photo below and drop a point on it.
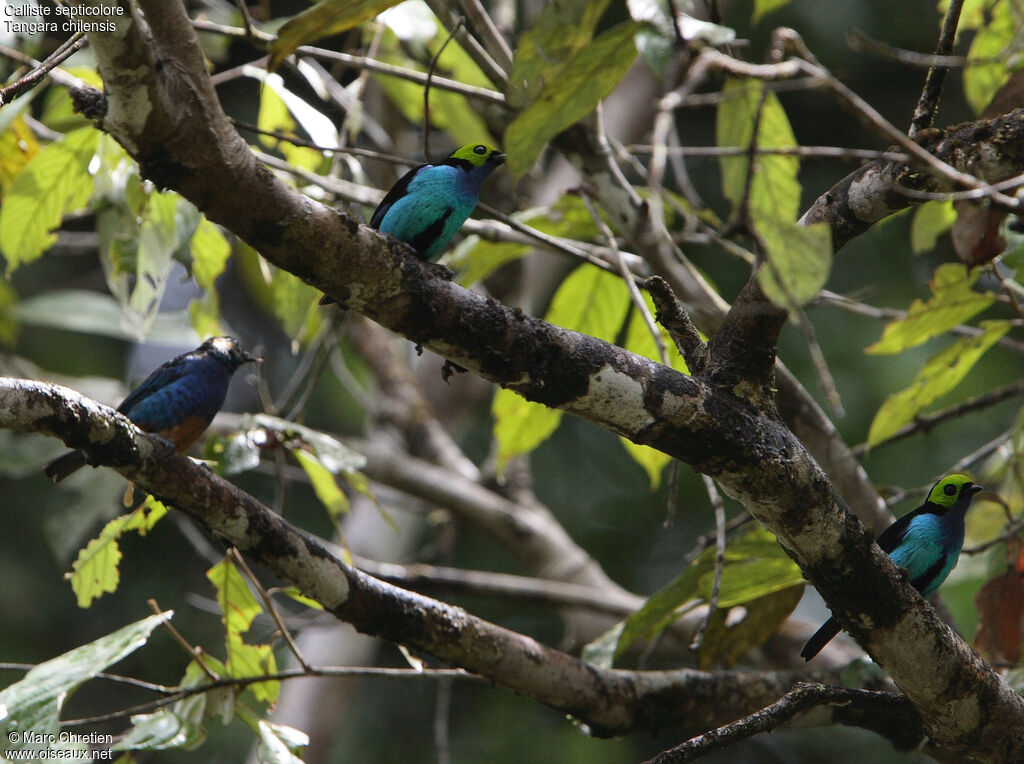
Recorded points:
(610, 702)
(169, 119)
(888, 711)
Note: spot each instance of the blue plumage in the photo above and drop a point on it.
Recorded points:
(177, 401)
(429, 204)
(927, 542)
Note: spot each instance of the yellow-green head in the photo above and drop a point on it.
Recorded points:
(952, 489)
(477, 155)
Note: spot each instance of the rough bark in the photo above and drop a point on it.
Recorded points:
(161, 107)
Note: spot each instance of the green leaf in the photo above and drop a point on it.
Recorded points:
(988, 71)
(332, 453)
(280, 744)
(302, 599)
(755, 566)
(774, 189)
(293, 302)
(95, 570)
(586, 78)
(145, 518)
(323, 20)
(253, 660)
(18, 145)
(450, 112)
(590, 301)
(940, 374)
(33, 704)
(561, 30)
(798, 256)
(763, 7)
(278, 104)
(733, 631)
(210, 252)
(95, 313)
(8, 324)
(324, 485)
(204, 315)
(931, 220)
(237, 603)
(520, 425)
(475, 259)
(54, 182)
(160, 731)
(953, 302)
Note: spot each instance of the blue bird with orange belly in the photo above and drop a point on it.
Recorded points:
(927, 542)
(177, 401)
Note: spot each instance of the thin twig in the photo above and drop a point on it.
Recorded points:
(807, 64)
(860, 41)
(118, 678)
(628, 277)
(672, 488)
(825, 378)
(459, 23)
(677, 323)
(268, 602)
(363, 62)
(802, 697)
(925, 422)
(356, 672)
(481, 57)
(484, 26)
(296, 141)
(719, 508)
(806, 152)
(1012, 531)
(48, 67)
(826, 298)
(250, 27)
(195, 652)
(928, 103)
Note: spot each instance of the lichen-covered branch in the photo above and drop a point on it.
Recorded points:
(609, 701)
(182, 140)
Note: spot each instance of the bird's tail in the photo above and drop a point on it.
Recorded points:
(64, 465)
(821, 638)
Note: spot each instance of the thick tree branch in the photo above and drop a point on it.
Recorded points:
(177, 132)
(610, 702)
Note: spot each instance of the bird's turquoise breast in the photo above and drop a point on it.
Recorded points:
(432, 211)
(929, 550)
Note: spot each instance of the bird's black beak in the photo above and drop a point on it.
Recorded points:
(250, 357)
(497, 158)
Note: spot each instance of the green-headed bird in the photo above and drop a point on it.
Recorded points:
(429, 204)
(927, 542)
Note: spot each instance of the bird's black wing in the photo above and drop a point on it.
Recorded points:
(893, 535)
(397, 192)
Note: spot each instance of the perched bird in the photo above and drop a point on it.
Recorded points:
(177, 401)
(429, 204)
(927, 542)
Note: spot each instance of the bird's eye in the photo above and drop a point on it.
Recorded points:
(949, 489)
(480, 150)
